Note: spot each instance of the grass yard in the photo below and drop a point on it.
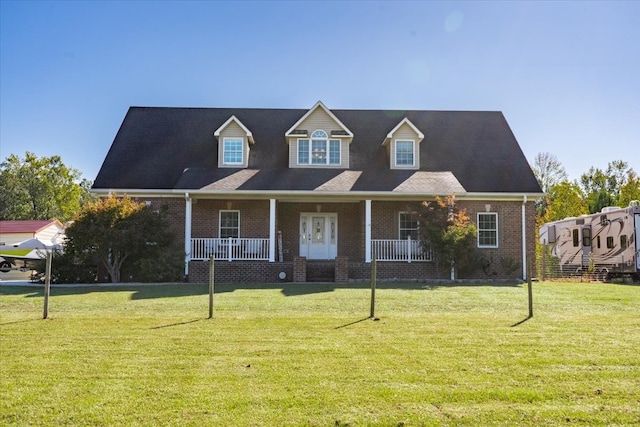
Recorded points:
(306, 355)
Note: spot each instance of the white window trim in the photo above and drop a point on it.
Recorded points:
(224, 150)
(494, 214)
(327, 141)
(220, 222)
(417, 229)
(413, 151)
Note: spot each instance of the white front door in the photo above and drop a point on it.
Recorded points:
(318, 235)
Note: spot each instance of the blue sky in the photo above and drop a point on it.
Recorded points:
(566, 75)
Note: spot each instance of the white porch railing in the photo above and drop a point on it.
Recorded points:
(399, 250)
(230, 249)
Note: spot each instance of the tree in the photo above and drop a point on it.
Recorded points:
(618, 174)
(39, 188)
(118, 230)
(630, 190)
(549, 172)
(449, 233)
(603, 188)
(566, 200)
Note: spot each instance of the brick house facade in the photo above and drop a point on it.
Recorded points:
(317, 194)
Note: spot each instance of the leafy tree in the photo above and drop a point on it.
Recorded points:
(449, 233)
(604, 188)
(618, 174)
(595, 185)
(39, 188)
(549, 172)
(566, 200)
(116, 230)
(630, 190)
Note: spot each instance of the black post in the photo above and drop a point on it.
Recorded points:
(530, 291)
(47, 284)
(372, 313)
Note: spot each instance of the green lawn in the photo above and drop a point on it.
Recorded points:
(306, 355)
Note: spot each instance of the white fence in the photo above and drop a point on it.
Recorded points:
(399, 250)
(230, 249)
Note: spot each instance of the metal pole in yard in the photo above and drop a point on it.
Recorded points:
(211, 286)
(47, 284)
(544, 259)
(373, 287)
(530, 291)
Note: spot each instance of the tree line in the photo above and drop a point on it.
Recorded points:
(617, 185)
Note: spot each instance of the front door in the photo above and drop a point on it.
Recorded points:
(318, 235)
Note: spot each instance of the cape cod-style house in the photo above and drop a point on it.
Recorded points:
(297, 194)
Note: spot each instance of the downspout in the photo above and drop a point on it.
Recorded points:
(187, 234)
(524, 238)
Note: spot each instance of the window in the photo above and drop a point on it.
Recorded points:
(576, 237)
(586, 237)
(404, 153)
(623, 241)
(303, 151)
(408, 226)
(320, 150)
(609, 242)
(233, 151)
(229, 224)
(488, 230)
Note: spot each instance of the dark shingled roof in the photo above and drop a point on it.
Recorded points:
(174, 148)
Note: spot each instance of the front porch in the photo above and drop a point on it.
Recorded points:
(269, 239)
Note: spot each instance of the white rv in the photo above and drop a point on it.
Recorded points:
(605, 243)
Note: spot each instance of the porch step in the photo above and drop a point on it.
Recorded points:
(321, 271)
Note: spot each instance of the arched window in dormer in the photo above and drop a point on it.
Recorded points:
(319, 149)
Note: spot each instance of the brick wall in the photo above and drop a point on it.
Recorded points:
(254, 217)
(240, 271)
(176, 212)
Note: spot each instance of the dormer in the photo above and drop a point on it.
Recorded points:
(234, 142)
(319, 140)
(403, 145)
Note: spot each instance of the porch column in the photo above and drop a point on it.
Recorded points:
(367, 231)
(187, 233)
(272, 230)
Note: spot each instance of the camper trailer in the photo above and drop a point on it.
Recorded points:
(606, 244)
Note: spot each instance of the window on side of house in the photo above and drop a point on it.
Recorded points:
(229, 224)
(408, 226)
(319, 150)
(233, 151)
(488, 230)
(405, 152)
(609, 242)
(623, 241)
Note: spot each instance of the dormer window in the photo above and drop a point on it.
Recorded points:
(234, 143)
(405, 152)
(233, 151)
(403, 145)
(319, 140)
(319, 150)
